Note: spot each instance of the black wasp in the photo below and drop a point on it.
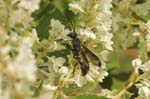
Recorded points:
(81, 52)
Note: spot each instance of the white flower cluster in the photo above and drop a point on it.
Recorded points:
(144, 79)
(95, 15)
(57, 32)
(20, 68)
(24, 64)
(148, 36)
(30, 5)
(94, 74)
(22, 14)
(140, 7)
(17, 60)
(95, 24)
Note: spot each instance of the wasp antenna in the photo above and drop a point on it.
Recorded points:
(71, 23)
(74, 25)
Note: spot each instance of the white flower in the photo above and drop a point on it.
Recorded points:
(57, 63)
(148, 40)
(75, 7)
(20, 17)
(30, 5)
(55, 46)
(95, 73)
(144, 92)
(35, 35)
(78, 79)
(57, 31)
(50, 87)
(107, 93)
(87, 33)
(143, 82)
(27, 41)
(148, 22)
(106, 38)
(24, 64)
(5, 94)
(97, 17)
(49, 94)
(145, 75)
(142, 9)
(145, 66)
(136, 63)
(89, 78)
(56, 26)
(63, 70)
(144, 86)
(102, 75)
(136, 33)
(5, 50)
(104, 55)
(106, 6)
(148, 36)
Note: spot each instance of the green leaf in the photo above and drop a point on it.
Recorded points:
(48, 11)
(114, 61)
(38, 90)
(89, 96)
(74, 90)
(54, 9)
(61, 5)
(117, 84)
(107, 82)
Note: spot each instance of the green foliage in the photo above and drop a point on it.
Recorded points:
(107, 30)
(113, 61)
(75, 90)
(38, 90)
(55, 9)
(88, 96)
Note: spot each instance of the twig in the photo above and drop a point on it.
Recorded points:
(132, 80)
(62, 83)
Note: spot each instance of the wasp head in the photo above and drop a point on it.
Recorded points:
(72, 35)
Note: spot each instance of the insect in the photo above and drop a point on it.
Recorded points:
(81, 52)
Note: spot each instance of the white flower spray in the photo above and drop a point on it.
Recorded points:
(143, 80)
(17, 60)
(93, 29)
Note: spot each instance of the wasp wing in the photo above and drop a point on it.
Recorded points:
(94, 59)
(84, 65)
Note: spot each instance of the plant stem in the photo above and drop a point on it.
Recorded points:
(132, 80)
(62, 83)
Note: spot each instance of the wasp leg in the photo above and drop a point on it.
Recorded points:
(74, 67)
